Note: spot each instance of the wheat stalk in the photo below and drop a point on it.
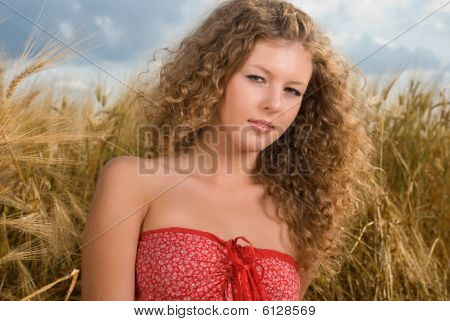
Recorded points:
(73, 275)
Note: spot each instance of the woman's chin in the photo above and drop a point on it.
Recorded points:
(256, 145)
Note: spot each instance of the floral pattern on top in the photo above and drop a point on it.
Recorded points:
(182, 264)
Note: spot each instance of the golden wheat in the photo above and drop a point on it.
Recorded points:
(51, 153)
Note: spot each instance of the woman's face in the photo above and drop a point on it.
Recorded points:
(269, 86)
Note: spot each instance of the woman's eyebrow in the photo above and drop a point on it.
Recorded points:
(267, 71)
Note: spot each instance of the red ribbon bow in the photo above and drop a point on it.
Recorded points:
(249, 287)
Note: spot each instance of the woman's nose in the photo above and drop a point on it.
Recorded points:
(274, 99)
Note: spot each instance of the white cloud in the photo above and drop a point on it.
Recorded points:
(105, 23)
(339, 39)
(66, 28)
(160, 24)
(359, 10)
(318, 9)
(438, 25)
(375, 11)
(4, 19)
(381, 41)
(190, 14)
(436, 4)
(75, 5)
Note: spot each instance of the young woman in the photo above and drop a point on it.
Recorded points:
(264, 161)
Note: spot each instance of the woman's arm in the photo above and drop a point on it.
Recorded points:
(112, 231)
(305, 281)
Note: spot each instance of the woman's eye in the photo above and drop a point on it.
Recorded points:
(254, 77)
(292, 90)
(295, 92)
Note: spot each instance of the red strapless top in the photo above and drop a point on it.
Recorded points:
(177, 263)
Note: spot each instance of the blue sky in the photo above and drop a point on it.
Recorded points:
(126, 32)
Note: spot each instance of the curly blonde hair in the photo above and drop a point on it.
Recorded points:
(322, 161)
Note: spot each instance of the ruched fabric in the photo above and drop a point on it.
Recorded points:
(177, 263)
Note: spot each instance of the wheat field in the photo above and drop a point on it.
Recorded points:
(53, 148)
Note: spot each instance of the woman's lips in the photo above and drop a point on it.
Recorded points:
(263, 128)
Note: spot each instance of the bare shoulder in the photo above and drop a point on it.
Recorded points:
(110, 238)
(123, 166)
(124, 188)
(135, 171)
